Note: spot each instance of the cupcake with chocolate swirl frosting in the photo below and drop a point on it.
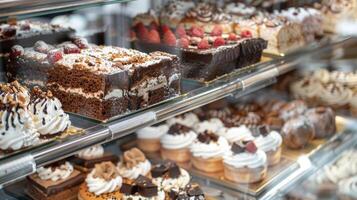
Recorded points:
(17, 129)
(49, 117)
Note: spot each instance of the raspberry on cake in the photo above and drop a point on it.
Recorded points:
(121, 80)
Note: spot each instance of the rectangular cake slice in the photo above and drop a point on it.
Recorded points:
(98, 81)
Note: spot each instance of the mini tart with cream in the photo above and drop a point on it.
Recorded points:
(176, 142)
(208, 151)
(86, 159)
(142, 188)
(148, 138)
(49, 118)
(56, 181)
(167, 175)
(270, 142)
(102, 183)
(133, 165)
(245, 163)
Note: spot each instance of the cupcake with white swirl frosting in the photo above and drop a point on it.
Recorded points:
(176, 142)
(148, 138)
(103, 182)
(49, 117)
(56, 181)
(207, 152)
(245, 163)
(133, 165)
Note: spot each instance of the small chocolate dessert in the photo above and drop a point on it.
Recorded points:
(323, 119)
(190, 192)
(297, 132)
(142, 188)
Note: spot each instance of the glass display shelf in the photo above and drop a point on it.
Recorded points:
(22, 9)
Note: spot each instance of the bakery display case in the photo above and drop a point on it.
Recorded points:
(178, 99)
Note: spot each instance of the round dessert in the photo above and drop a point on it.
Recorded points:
(15, 92)
(293, 109)
(208, 151)
(175, 144)
(102, 183)
(324, 121)
(249, 119)
(133, 164)
(336, 96)
(174, 11)
(96, 151)
(273, 120)
(298, 132)
(245, 163)
(146, 19)
(213, 125)
(189, 119)
(49, 118)
(142, 188)
(167, 175)
(17, 129)
(269, 142)
(237, 133)
(149, 137)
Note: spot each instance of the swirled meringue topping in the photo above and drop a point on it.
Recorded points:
(134, 164)
(152, 132)
(188, 119)
(336, 94)
(16, 129)
(269, 142)
(178, 137)
(104, 178)
(49, 117)
(15, 92)
(208, 145)
(213, 125)
(93, 152)
(237, 133)
(55, 173)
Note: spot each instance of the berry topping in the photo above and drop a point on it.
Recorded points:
(54, 56)
(184, 42)
(165, 28)
(250, 147)
(232, 37)
(143, 33)
(16, 51)
(71, 48)
(219, 42)
(153, 36)
(41, 46)
(169, 38)
(132, 35)
(203, 44)
(154, 26)
(9, 31)
(180, 31)
(139, 26)
(25, 27)
(197, 31)
(217, 31)
(82, 43)
(246, 34)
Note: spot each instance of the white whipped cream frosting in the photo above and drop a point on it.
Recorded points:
(17, 129)
(160, 196)
(49, 116)
(58, 173)
(188, 119)
(271, 142)
(96, 151)
(15, 92)
(237, 133)
(100, 186)
(179, 141)
(246, 159)
(214, 125)
(152, 132)
(348, 186)
(142, 168)
(173, 183)
(210, 150)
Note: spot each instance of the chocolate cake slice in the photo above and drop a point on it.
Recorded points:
(97, 81)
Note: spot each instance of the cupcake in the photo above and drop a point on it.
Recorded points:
(269, 142)
(237, 133)
(56, 181)
(86, 159)
(323, 119)
(15, 91)
(175, 144)
(142, 188)
(190, 192)
(208, 151)
(188, 119)
(49, 118)
(133, 164)
(148, 138)
(167, 175)
(213, 125)
(17, 128)
(245, 163)
(102, 183)
(298, 132)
